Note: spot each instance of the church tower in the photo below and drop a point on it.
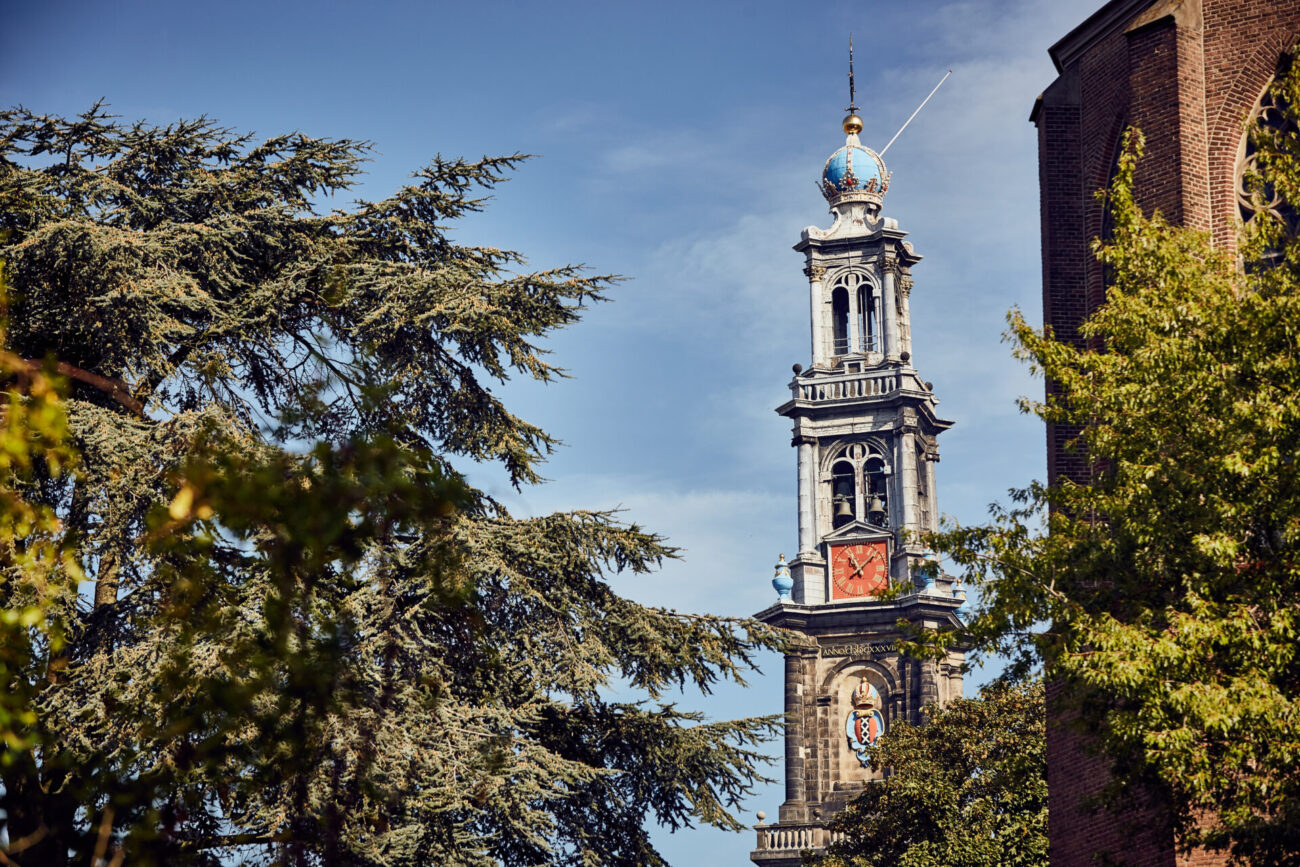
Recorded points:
(865, 429)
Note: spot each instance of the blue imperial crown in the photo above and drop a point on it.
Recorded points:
(854, 173)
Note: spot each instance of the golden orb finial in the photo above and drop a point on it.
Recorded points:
(852, 124)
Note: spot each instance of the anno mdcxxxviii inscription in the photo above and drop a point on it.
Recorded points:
(857, 649)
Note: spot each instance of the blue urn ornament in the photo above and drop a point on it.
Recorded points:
(959, 592)
(782, 582)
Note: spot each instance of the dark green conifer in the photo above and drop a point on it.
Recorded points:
(337, 653)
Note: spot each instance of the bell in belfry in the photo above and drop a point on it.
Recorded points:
(876, 510)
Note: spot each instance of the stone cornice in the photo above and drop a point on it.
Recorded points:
(1115, 15)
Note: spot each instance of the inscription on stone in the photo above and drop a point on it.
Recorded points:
(857, 649)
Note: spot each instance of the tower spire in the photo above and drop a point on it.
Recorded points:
(853, 107)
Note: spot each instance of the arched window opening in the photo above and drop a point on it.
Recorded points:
(1269, 117)
(875, 491)
(867, 319)
(840, 321)
(842, 499)
(1107, 215)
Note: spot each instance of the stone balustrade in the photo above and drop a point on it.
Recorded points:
(783, 840)
(845, 387)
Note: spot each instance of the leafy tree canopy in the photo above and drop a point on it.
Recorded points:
(1164, 587)
(292, 653)
(966, 789)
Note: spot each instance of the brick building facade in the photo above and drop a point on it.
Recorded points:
(1188, 73)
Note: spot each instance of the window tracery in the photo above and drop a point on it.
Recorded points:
(1253, 198)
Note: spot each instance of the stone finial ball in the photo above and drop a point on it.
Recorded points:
(852, 124)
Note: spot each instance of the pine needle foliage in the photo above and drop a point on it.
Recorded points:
(337, 653)
(38, 575)
(1164, 589)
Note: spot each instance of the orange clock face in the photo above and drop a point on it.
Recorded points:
(858, 570)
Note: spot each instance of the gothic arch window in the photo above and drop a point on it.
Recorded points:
(1107, 217)
(1270, 113)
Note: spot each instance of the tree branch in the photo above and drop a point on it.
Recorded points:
(113, 387)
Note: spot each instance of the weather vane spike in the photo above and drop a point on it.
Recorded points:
(853, 107)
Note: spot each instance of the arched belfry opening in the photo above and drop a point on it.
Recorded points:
(875, 491)
(843, 494)
(867, 319)
(840, 320)
(855, 314)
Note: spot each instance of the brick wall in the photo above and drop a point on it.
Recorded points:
(1187, 80)
(1186, 72)
(1081, 828)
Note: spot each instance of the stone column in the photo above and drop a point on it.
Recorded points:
(795, 807)
(855, 344)
(890, 303)
(807, 488)
(905, 689)
(929, 683)
(932, 493)
(905, 315)
(955, 684)
(906, 469)
(894, 515)
(815, 274)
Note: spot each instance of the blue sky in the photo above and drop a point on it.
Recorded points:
(678, 145)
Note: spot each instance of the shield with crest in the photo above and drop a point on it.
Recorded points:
(865, 723)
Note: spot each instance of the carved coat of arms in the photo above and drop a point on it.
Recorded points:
(865, 723)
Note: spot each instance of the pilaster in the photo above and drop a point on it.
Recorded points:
(795, 808)
(905, 314)
(807, 483)
(890, 302)
(816, 301)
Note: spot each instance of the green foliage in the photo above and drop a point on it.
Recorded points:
(966, 789)
(1165, 587)
(37, 576)
(336, 653)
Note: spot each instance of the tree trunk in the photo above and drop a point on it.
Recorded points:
(106, 580)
